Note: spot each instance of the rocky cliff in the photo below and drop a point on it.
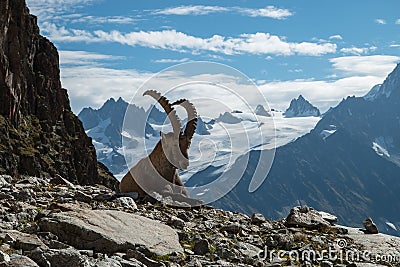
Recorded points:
(39, 134)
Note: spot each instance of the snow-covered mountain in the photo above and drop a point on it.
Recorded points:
(104, 126)
(228, 117)
(212, 143)
(300, 107)
(349, 164)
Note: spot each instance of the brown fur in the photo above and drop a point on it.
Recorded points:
(158, 170)
(153, 173)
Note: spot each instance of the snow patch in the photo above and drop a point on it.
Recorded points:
(381, 146)
(328, 132)
(391, 225)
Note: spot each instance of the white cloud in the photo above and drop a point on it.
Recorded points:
(397, 21)
(103, 20)
(168, 60)
(358, 50)
(323, 94)
(359, 75)
(190, 10)
(269, 11)
(380, 21)
(64, 11)
(91, 85)
(49, 9)
(395, 45)
(336, 37)
(84, 58)
(377, 65)
(257, 43)
(296, 70)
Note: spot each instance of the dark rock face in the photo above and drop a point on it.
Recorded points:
(39, 134)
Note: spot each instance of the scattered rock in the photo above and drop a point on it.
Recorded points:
(332, 219)
(326, 264)
(370, 226)
(19, 261)
(201, 247)
(63, 257)
(248, 250)
(233, 228)
(23, 241)
(58, 180)
(4, 257)
(133, 195)
(80, 196)
(176, 222)
(108, 262)
(127, 202)
(143, 259)
(257, 218)
(5, 180)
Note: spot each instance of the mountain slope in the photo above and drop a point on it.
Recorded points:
(345, 171)
(39, 134)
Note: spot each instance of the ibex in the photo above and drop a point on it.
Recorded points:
(159, 169)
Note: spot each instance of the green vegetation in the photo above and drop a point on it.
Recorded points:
(164, 258)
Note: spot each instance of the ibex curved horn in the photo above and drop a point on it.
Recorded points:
(175, 122)
(192, 116)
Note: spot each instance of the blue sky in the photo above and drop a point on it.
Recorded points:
(323, 50)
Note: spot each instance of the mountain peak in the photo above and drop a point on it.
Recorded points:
(229, 118)
(389, 88)
(260, 111)
(300, 107)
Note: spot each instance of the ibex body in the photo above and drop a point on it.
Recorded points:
(160, 168)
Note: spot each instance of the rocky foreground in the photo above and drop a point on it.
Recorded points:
(56, 223)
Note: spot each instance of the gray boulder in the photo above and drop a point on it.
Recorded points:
(63, 257)
(19, 261)
(109, 231)
(303, 216)
(23, 241)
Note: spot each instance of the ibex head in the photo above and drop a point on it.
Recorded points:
(175, 145)
(186, 137)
